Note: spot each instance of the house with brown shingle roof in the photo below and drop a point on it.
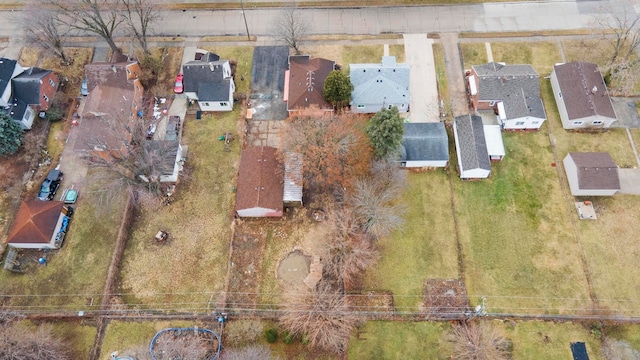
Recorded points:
(581, 96)
(304, 83)
(260, 189)
(592, 174)
(39, 225)
(111, 109)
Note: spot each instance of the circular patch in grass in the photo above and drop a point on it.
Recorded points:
(294, 268)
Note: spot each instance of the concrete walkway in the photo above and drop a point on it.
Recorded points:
(423, 87)
(455, 77)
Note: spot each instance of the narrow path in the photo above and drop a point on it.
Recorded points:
(455, 74)
(633, 146)
(487, 46)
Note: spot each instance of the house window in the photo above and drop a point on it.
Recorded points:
(535, 122)
(128, 71)
(206, 104)
(597, 122)
(52, 83)
(45, 97)
(223, 104)
(403, 106)
(560, 94)
(360, 106)
(577, 123)
(492, 102)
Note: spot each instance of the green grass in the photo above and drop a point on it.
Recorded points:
(244, 56)
(75, 273)
(362, 54)
(129, 338)
(541, 55)
(397, 50)
(473, 54)
(548, 340)
(193, 263)
(518, 245)
(400, 340)
(78, 336)
(423, 248)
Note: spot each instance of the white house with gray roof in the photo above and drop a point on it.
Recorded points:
(471, 147)
(512, 92)
(424, 145)
(375, 86)
(209, 81)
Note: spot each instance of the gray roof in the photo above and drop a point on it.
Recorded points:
(424, 141)
(517, 86)
(198, 71)
(379, 83)
(292, 177)
(596, 171)
(26, 86)
(472, 143)
(16, 109)
(214, 91)
(584, 91)
(7, 67)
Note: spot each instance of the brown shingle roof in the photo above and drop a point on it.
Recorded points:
(260, 180)
(306, 82)
(583, 90)
(596, 170)
(35, 222)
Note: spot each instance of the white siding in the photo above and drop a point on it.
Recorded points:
(572, 176)
(476, 173)
(528, 122)
(419, 164)
(258, 212)
(216, 105)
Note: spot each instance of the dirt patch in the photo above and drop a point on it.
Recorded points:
(294, 268)
(445, 297)
(378, 304)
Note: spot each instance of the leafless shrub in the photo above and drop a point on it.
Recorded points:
(613, 349)
(481, 341)
(248, 353)
(291, 27)
(19, 343)
(242, 331)
(169, 347)
(321, 316)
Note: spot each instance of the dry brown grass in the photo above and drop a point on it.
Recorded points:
(229, 38)
(591, 50)
(541, 55)
(29, 56)
(171, 65)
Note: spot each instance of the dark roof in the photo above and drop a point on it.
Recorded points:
(596, 170)
(104, 73)
(198, 72)
(17, 109)
(472, 144)
(206, 56)
(579, 351)
(306, 82)
(35, 222)
(517, 86)
(260, 179)
(583, 90)
(26, 86)
(95, 132)
(7, 66)
(424, 141)
(214, 91)
(165, 151)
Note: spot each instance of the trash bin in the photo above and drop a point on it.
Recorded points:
(198, 115)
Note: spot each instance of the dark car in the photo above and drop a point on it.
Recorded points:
(50, 185)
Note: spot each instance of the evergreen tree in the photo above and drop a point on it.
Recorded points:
(385, 131)
(10, 135)
(337, 89)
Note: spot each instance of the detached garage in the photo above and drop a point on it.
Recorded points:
(471, 147)
(40, 225)
(260, 183)
(592, 174)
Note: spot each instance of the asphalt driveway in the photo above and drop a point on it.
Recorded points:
(267, 82)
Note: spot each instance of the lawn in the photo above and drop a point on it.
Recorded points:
(548, 340)
(244, 56)
(189, 271)
(473, 54)
(133, 338)
(75, 273)
(171, 66)
(78, 336)
(541, 55)
(357, 54)
(400, 340)
(423, 248)
(518, 244)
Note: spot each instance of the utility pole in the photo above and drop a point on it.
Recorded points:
(245, 20)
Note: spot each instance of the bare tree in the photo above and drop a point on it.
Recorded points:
(169, 347)
(19, 343)
(291, 27)
(140, 16)
(100, 17)
(43, 29)
(482, 341)
(249, 352)
(321, 316)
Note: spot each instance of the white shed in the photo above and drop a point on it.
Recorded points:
(592, 174)
(495, 145)
(471, 147)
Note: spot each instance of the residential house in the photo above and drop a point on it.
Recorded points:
(112, 110)
(424, 145)
(293, 180)
(471, 147)
(377, 86)
(25, 91)
(581, 96)
(512, 92)
(171, 160)
(209, 80)
(260, 187)
(304, 83)
(39, 225)
(495, 145)
(591, 174)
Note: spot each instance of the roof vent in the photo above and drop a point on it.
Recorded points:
(594, 89)
(113, 68)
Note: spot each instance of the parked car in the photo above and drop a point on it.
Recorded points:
(84, 90)
(178, 88)
(50, 185)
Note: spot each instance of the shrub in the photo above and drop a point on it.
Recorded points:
(288, 338)
(271, 335)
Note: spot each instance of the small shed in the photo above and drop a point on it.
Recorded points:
(471, 147)
(592, 174)
(40, 225)
(495, 145)
(424, 145)
(260, 187)
(292, 194)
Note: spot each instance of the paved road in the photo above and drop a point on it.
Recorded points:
(516, 16)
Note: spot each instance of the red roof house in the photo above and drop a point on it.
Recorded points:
(260, 183)
(39, 225)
